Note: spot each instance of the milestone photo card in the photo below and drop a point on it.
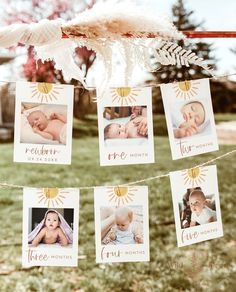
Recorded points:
(121, 224)
(125, 126)
(189, 117)
(196, 205)
(43, 123)
(50, 227)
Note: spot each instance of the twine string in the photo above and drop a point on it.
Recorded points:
(6, 185)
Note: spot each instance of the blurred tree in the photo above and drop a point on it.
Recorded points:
(233, 50)
(223, 96)
(5, 101)
(165, 74)
(35, 10)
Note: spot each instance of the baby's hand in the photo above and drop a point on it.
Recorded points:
(193, 223)
(185, 224)
(107, 240)
(54, 116)
(191, 130)
(138, 238)
(36, 129)
(141, 123)
(136, 110)
(112, 236)
(185, 131)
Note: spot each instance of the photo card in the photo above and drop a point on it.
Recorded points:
(50, 227)
(125, 126)
(196, 205)
(121, 224)
(43, 123)
(189, 117)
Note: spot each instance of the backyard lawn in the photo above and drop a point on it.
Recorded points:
(206, 266)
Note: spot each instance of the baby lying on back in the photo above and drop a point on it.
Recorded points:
(136, 127)
(53, 128)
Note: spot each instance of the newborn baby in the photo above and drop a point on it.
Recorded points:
(123, 131)
(52, 129)
(136, 127)
(187, 122)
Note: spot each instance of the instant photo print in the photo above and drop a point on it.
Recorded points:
(196, 205)
(121, 224)
(189, 117)
(43, 123)
(125, 126)
(50, 227)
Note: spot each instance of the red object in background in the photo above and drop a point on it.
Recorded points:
(210, 34)
(189, 34)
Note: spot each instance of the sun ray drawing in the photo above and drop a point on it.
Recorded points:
(124, 95)
(45, 91)
(121, 195)
(186, 89)
(51, 197)
(194, 176)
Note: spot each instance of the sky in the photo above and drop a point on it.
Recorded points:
(216, 14)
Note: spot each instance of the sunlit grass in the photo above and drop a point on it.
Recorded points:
(170, 268)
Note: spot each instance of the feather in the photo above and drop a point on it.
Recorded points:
(108, 28)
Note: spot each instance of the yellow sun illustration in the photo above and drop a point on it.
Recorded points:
(194, 176)
(121, 195)
(186, 89)
(51, 197)
(124, 95)
(45, 91)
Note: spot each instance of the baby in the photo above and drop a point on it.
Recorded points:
(189, 122)
(124, 232)
(186, 213)
(51, 232)
(201, 214)
(52, 129)
(135, 128)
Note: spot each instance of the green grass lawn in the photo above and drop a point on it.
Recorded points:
(206, 266)
(89, 126)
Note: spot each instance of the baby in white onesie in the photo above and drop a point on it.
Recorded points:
(124, 232)
(201, 214)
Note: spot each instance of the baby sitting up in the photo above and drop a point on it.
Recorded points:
(201, 214)
(51, 232)
(124, 231)
(187, 122)
(135, 128)
(52, 129)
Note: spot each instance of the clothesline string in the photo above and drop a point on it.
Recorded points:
(6, 185)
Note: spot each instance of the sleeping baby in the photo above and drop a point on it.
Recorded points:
(188, 120)
(53, 128)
